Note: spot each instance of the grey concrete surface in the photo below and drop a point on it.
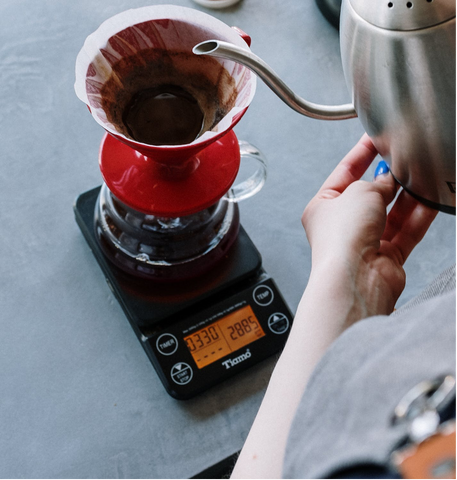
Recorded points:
(78, 396)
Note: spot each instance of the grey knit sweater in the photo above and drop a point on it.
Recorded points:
(344, 416)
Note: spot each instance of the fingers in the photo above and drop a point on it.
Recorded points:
(352, 167)
(407, 223)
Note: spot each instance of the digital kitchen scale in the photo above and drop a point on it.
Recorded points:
(200, 332)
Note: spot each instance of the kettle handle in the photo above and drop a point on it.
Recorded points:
(218, 48)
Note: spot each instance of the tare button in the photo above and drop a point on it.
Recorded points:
(167, 344)
(263, 295)
(278, 323)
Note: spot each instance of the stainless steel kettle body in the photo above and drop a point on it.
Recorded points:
(399, 64)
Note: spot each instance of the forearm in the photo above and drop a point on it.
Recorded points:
(358, 252)
(329, 305)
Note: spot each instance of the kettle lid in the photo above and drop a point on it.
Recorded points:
(404, 14)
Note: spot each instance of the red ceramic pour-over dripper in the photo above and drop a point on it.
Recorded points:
(169, 181)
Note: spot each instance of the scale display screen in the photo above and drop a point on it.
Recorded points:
(224, 336)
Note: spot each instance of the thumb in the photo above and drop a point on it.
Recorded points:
(385, 182)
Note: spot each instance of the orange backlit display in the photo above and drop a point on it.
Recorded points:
(223, 337)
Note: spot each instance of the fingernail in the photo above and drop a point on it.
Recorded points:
(381, 169)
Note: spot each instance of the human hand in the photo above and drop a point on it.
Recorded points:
(358, 252)
(351, 234)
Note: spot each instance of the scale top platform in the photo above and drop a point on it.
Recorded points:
(149, 303)
(201, 332)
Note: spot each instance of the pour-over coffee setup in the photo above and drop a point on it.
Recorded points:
(165, 225)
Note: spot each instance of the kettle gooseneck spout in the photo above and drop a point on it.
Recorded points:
(218, 48)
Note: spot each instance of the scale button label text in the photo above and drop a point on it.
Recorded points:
(167, 344)
(278, 323)
(263, 295)
(181, 373)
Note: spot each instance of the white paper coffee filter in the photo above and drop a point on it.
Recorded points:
(161, 27)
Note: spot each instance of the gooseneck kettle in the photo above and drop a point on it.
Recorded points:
(399, 65)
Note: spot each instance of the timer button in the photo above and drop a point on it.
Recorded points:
(181, 373)
(278, 323)
(263, 295)
(167, 344)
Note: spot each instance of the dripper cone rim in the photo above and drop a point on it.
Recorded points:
(131, 17)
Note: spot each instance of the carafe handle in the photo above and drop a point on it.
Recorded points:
(254, 183)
